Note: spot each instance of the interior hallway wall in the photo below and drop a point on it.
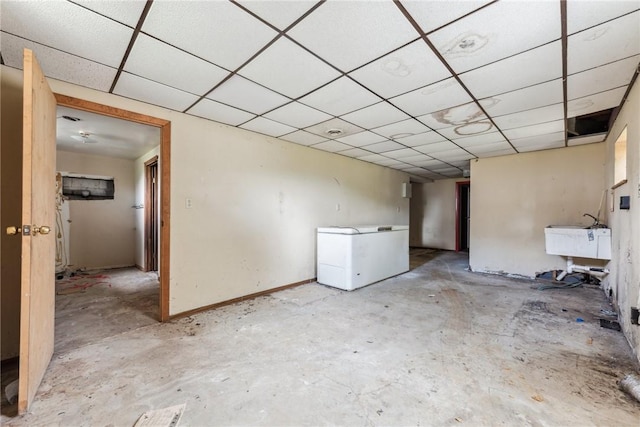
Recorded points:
(10, 210)
(256, 202)
(139, 179)
(433, 214)
(513, 198)
(102, 231)
(624, 279)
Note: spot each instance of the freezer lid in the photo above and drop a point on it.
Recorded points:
(361, 229)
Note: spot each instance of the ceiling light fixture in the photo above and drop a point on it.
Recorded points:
(84, 138)
(334, 132)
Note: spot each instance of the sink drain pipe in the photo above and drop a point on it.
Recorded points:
(598, 272)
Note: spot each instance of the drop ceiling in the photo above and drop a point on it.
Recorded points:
(420, 86)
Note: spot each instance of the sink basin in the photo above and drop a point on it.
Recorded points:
(578, 241)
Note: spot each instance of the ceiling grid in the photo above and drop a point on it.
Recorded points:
(422, 87)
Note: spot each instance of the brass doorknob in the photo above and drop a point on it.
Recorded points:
(13, 230)
(42, 229)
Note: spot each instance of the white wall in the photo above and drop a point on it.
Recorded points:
(256, 203)
(102, 232)
(624, 279)
(139, 178)
(513, 198)
(433, 214)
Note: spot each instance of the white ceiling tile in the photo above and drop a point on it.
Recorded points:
(476, 140)
(297, 115)
(386, 162)
(459, 115)
(303, 138)
(331, 33)
(337, 124)
(67, 27)
(396, 163)
(332, 146)
(536, 96)
(499, 30)
(415, 171)
(587, 139)
(585, 14)
(401, 154)
(372, 158)
(382, 147)
(205, 28)
(246, 95)
(340, 97)
(58, 65)
(419, 159)
(213, 110)
(600, 79)
(530, 117)
(434, 14)
(355, 152)
(405, 166)
(533, 133)
(539, 139)
(285, 67)
(128, 12)
(488, 148)
(420, 139)
(452, 157)
(604, 43)
(268, 127)
(401, 129)
(471, 129)
(435, 147)
(154, 93)
(362, 138)
(525, 69)
(432, 163)
(375, 115)
(594, 103)
(496, 153)
(545, 145)
(158, 61)
(435, 97)
(278, 13)
(406, 69)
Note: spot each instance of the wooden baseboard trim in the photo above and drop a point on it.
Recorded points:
(239, 299)
(139, 267)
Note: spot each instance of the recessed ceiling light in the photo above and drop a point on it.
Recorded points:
(334, 132)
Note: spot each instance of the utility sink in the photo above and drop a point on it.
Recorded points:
(578, 241)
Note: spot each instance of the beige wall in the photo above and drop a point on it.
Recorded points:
(11, 187)
(139, 179)
(513, 198)
(433, 214)
(256, 202)
(102, 232)
(624, 279)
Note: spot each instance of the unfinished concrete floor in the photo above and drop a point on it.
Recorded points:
(435, 346)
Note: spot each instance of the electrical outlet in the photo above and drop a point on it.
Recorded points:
(187, 203)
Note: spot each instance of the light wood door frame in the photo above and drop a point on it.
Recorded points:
(37, 285)
(165, 180)
(151, 214)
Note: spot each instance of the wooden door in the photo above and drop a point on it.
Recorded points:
(37, 300)
(151, 214)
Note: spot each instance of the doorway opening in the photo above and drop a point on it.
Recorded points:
(155, 259)
(463, 215)
(151, 214)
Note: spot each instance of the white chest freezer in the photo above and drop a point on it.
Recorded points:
(353, 257)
